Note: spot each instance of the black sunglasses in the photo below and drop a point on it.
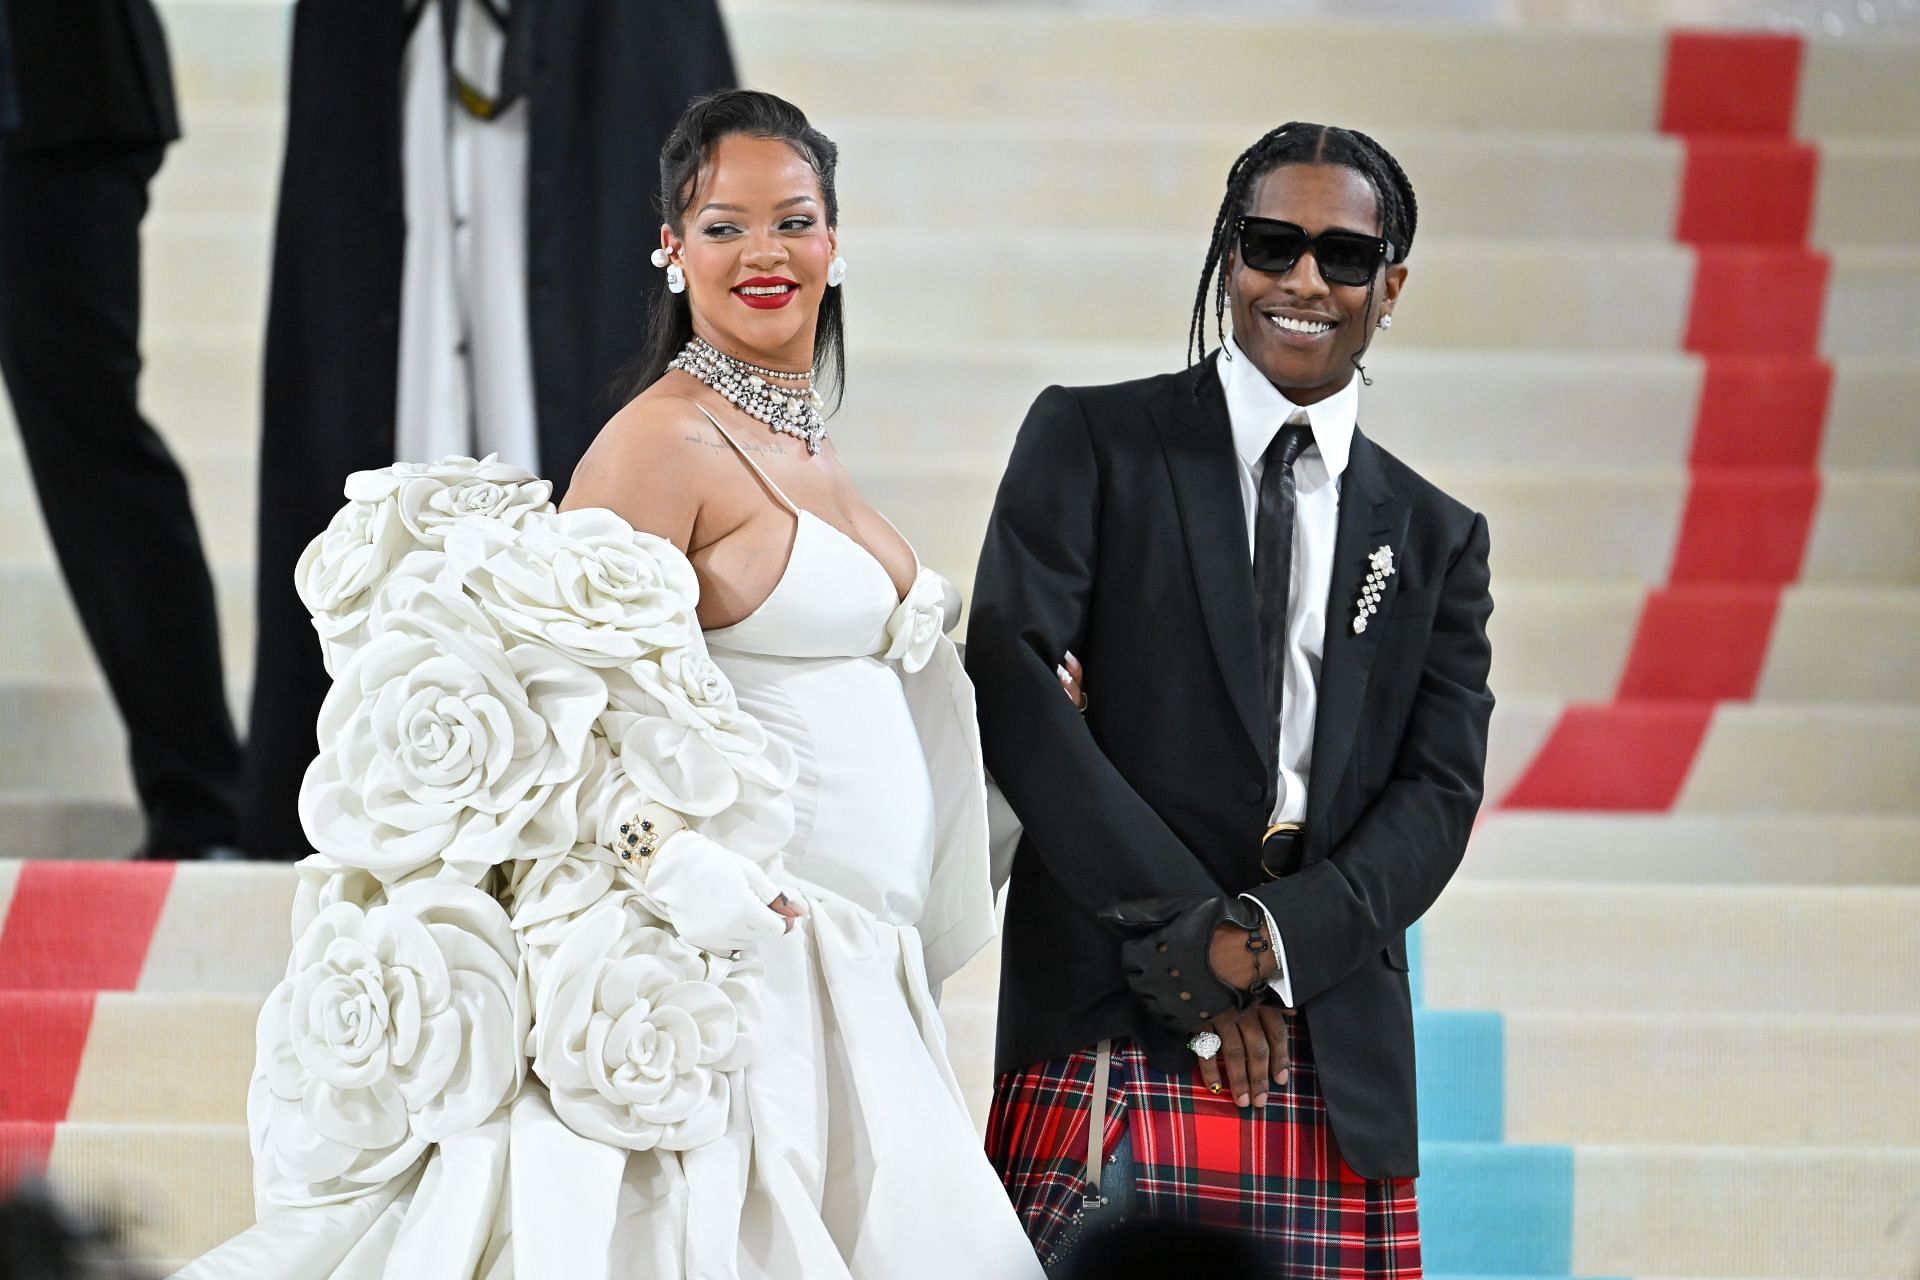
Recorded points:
(1344, 257)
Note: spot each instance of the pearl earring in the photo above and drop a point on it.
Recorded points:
(836, 271)
(676, 277)
(1386, 322)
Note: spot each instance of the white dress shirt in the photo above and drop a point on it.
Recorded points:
(1258, 410)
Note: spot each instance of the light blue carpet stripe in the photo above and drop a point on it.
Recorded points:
(1486, 1209)
(1416, 965)
(1496, 1210)
(1462, 1057)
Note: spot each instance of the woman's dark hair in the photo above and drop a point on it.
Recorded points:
(688, 151)
(1298, 142)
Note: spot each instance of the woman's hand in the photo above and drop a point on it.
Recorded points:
(714, 898)
(786, 909)
(1073, 680)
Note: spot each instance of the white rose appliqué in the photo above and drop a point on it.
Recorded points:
(636, 1031)
(918, 622)
(396, 1026)
(441, 746)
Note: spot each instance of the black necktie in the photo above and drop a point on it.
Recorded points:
(1273, 558)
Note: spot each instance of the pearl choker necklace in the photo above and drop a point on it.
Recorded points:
(794, 412)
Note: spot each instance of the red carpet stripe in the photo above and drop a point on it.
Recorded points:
(1719, 83)
(1746, 205)
(1626, 756)
(1699, 644)
(42, 1037)
(25, 1146)
(1757, 300)
(1745, 527)
(1747, 191)
(81, 926)
(1741, 392)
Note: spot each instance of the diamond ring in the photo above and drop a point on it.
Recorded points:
(1204, 1045)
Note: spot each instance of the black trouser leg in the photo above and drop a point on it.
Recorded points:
(115, 502)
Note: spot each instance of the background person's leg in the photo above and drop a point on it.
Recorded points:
(115, 502)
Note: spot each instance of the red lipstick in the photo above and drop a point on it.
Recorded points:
(769, 292)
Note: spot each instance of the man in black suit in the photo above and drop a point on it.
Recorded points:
(1204, 1006)
(95, 114)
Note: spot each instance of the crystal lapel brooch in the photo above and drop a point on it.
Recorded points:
(1380, 564)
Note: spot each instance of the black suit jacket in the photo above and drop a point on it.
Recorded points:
(1118, 533)
(9, 103)
(88, 73)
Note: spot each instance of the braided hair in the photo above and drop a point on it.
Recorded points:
(1298, 142)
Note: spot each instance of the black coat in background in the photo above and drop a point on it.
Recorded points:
(9, 105)
(605, 82)
(85, 73)
(1118, 533)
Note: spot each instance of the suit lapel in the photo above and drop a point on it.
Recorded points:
(1198, 440)
(1371, 516)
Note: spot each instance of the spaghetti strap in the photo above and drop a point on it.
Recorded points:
(747, 458)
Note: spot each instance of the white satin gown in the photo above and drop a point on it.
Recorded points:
(854, 1157)
(865, 1162)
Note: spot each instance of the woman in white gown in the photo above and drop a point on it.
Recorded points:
(619, 955)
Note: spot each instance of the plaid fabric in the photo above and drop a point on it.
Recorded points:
(1200, 1159)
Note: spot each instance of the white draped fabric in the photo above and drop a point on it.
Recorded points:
(503, 1051)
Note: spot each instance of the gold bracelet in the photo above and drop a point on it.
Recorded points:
(643, 835)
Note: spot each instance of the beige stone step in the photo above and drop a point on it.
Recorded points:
(1054, 285)
(1576, 522)
(1639, 1209)
(1058, 64)
(1434, 408)
(1165, 175)
(1684, 848)
(1638, 948)
(1748, 1080)
(1547, 68)
(1757, 760)
(1594, 525)
(1737, 1211)
(1792, 1079)
(1483, 183)
(159, 1059)
(36, 825)
(226, 162)
(223, 928)
(228, 52)
(1573, 640)
(1644, 948)
(48, 643)
(1694, 848)
(169, 1190)
(1566, 641)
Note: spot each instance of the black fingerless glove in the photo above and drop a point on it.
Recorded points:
(1166, 955)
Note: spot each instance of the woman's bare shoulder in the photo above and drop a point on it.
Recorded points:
(659, 426)
(649, 464)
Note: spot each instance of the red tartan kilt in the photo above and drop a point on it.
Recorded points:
(1276, 1175)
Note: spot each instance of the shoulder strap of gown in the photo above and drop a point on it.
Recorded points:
(747, 458)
